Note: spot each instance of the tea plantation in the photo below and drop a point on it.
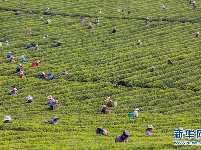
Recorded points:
(168, 98)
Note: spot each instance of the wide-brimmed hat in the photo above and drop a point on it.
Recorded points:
(9, 52)
(108, 98)
(137, 109)
(7, 118)
(104, 106)
(150, 127)
(14, 89)
(180, 128)
(55, 117)
(29, 97)
(49, 97)
(126, 133)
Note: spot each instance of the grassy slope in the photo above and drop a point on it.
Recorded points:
(99, 57)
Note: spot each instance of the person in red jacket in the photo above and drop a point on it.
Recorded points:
(22, 74)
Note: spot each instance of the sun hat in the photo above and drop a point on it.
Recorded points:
(49, 97)
(7, 118)
(108, 98)
(29, 97)
(55, 117)
(126, 133)
(104, 106)
(180, 128)
(15, 89)
(150, 127)
(137, 109)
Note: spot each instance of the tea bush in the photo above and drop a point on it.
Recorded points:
(94, 58)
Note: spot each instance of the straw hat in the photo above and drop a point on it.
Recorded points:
(150, 127)
(7, 118)
(104, 106)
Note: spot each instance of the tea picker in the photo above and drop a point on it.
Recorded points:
(18, 69)
(123, 137)
(149, 130)
(53, 121)
(13, 91)
(9, 55)
(105, 110)
(43, 75)
(136, 111)
(101, 131)
(7, 119)
(29, 99)
(23, 59)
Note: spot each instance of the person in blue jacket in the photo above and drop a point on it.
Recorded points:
(28, 46)
(43, 75)
(9, 55)
(53, 105)
(23, 59)
(58, 43)
(18, 69)
(13, 91)
(53, 121)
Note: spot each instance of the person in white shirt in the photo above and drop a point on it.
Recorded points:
(6, 43)
(7, 119)
(99, 11)
(163, 7)
(136, 111)
(47, 9)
